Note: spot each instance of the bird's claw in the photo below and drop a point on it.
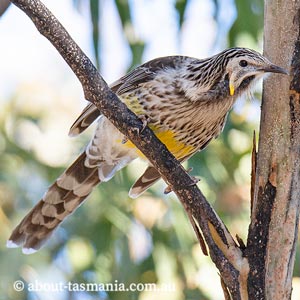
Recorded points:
(124, 140)
(195, 180)
(145, 121)
(168, 190)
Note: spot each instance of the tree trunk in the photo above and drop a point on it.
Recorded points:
(275, 211)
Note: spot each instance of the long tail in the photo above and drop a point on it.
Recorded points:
(149, 177)
(61, 199)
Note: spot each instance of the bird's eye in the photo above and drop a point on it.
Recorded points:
(243, 63)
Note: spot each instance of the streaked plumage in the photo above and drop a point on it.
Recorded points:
(185, 102)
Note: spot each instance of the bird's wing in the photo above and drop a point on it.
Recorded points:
(145, 73)
(126, 84)
(89, 114)
(149, 177)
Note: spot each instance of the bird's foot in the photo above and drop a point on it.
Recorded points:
(125, 139)
(145, 120)
(168, 190)
(195, 180)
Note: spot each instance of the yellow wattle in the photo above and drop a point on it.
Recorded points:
(231, 89)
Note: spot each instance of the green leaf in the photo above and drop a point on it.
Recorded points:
(249, 19)
(137, 47)
(137, 50)
(180, 7)
(94, 10)
(124, 11)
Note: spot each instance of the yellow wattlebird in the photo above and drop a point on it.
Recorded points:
(185, 102)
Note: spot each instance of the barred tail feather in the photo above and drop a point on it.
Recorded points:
(61, 199)
(86, 118)
(149, 177)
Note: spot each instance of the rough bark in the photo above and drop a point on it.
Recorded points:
(275, 212)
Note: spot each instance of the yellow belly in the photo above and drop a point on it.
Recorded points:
(177, 148)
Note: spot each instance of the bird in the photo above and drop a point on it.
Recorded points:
(184, 100)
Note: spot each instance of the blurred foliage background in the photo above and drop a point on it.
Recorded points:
(112, 237)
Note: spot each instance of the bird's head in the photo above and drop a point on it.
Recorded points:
(243, 66)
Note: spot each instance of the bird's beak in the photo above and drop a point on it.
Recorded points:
(275, 69)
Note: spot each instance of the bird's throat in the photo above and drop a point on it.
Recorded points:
(246, 83)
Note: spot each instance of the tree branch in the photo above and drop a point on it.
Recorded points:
(4, 4)
(225, 253)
